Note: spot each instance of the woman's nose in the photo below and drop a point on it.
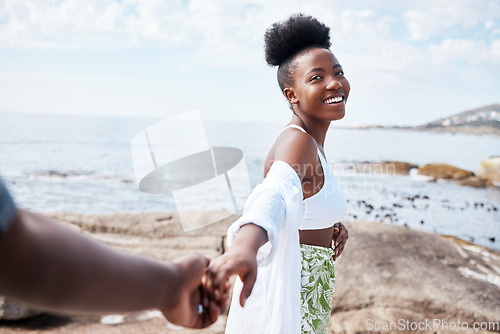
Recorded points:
(333, 84)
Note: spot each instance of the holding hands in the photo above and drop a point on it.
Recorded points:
(192, 306)
(240, 260)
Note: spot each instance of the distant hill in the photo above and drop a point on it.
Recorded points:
(483, 120)
(480, 118)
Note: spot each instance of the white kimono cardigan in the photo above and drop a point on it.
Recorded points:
(274, 305)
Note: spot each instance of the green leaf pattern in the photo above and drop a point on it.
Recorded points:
(317, 285)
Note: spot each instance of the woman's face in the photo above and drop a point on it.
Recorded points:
(320, 89)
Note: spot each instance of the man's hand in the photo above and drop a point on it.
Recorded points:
(193, 306)
(340, 236)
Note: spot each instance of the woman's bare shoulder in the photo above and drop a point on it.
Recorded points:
(294, 147)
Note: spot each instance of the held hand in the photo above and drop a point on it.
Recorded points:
(340, 236)
(192, 306)
(239, 261)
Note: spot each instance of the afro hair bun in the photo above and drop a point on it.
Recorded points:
(299, 32)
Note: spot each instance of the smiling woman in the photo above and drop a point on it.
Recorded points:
(291, 219)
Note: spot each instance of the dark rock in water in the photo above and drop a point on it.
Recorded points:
(492, 239)
(422, 222)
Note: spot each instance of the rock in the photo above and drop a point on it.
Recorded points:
(490, 170)
(475, 181)
(444, 171)
(384, 167)
(10, 310)
(388, 272)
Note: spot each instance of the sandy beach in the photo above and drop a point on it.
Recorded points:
(388, 275)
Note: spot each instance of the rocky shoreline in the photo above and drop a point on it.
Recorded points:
(487, 173)
(387, 274)
(473, 131)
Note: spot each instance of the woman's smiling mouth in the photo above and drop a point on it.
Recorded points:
(332, 100)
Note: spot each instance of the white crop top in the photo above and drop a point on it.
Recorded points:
(328, 205)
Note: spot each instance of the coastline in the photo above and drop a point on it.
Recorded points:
(386, 273)
(473, 131)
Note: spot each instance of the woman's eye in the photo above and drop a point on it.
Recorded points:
(315, 77)
(340, 73)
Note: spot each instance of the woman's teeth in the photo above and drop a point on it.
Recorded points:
(333, 100)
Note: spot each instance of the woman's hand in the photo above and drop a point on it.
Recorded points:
(340, 236)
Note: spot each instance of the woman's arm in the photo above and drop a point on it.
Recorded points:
(45, 264)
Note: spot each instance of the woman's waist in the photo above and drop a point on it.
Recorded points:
(318, 237)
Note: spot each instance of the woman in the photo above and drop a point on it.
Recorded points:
(291, 219)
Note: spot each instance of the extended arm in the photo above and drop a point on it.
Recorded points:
(43, 263)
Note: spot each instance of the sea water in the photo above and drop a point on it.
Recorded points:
(84, 164)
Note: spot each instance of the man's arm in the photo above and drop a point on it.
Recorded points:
(43, 263)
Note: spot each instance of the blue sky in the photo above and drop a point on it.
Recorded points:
(409, 62)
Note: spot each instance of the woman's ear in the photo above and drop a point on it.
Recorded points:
(290, 95)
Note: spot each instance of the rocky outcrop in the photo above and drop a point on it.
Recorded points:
(384, 167)
(490, 169)
(444, 171)
(388, 273)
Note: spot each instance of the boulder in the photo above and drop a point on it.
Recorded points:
(476, 182)
(490, 169)
(384, 167)
(389, 273)
(11, 310)
(444, 171)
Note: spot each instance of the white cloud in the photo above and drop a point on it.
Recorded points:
(471, 51)
(431, 19)
(391, 51)
(229, 33)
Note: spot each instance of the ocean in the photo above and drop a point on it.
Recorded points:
(84, 164)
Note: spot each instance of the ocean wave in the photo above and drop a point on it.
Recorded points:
(81, 175)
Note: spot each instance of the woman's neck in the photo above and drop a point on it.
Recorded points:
(316, 128)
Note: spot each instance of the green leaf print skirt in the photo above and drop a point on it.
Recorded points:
(317, 285)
